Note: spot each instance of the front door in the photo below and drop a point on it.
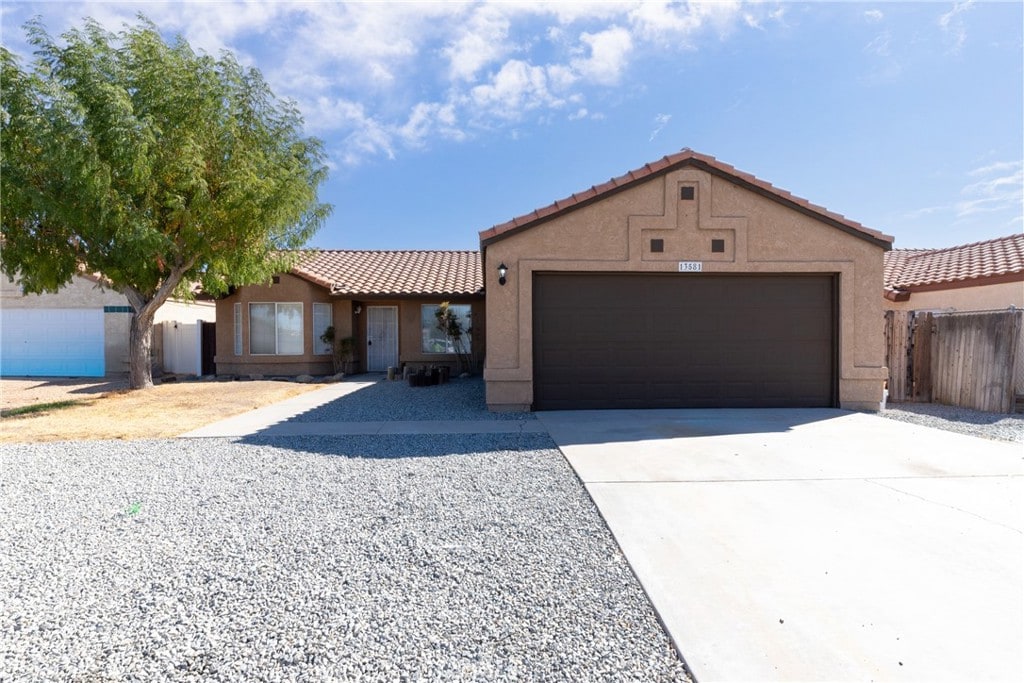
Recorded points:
(381, 338)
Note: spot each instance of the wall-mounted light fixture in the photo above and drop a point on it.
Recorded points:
(502, 272)
(359, 309)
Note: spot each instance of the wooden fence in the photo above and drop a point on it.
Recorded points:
(961, 359)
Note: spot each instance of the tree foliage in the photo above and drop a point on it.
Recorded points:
(151, 164)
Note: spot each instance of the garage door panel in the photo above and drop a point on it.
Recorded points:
(651, 340)
(52, 343)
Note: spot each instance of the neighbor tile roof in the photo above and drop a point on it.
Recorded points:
(377, 273)
(909, 268)
(686, 157)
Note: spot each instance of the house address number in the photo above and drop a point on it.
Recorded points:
(690, 266)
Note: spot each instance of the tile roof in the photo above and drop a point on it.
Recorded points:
(909, 268)
(375, 273)
(686, 157)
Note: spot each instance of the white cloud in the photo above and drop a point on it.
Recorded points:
(660, 121)
(516, 88)
(874, 15)
(481, 41)
(609, 53)
(879, 46)
(661, 22)
(1001, 188)
(377, 78)
(364, 136)
(952, 25)
(430, 119)
(997, 167)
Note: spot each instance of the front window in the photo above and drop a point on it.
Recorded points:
(275, 329)
(434, 339)
(322, 319)
(237, 312)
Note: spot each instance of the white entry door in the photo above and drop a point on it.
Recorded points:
(381, 338)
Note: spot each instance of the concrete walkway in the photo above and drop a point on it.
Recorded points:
(277, 420)
(814, 544)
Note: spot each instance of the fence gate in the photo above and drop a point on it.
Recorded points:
(208, 345)
(974, 359)
(962, 359)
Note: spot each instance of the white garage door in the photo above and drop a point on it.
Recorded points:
(51, 343)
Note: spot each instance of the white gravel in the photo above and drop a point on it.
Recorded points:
(997, 426)
(409, 558)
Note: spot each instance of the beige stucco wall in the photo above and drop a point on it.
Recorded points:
(79, 293)
(410, 344)
(983, 298)
(613, 234)
(347, 322)
(410, 339)
(290, 289)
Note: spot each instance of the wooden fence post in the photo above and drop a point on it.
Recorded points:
(921, 357)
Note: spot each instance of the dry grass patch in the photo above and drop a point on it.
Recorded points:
(160, 412)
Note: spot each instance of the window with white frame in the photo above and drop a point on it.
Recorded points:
(275, 329)
(238, 329)
(434, 339)
(323, 317)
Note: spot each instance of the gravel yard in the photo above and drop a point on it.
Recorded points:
(316, 559)
(997, 426)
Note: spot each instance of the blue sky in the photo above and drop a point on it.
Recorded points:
(442, 119)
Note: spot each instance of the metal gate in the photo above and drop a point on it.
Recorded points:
(381, 337)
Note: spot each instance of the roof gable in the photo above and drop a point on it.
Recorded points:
(907, 269)
(667, 164)
(400, 273)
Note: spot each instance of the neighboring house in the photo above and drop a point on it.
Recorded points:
(383, 300)
(980, 276)
(684, 283)
(81, 331)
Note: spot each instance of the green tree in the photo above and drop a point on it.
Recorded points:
(158, 167)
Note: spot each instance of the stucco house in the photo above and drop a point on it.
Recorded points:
(81, 331)
(383, 300)
(980, 276)
(684, 283)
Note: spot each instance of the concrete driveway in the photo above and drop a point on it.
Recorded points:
(814, 544)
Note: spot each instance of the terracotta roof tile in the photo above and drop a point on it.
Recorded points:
(377, 273)
(686, 157)
(908, 268)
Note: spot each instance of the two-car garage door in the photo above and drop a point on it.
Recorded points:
(605, 340)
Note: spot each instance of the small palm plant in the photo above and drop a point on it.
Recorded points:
(450, 324)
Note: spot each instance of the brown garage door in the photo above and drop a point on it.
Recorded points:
(683, 341)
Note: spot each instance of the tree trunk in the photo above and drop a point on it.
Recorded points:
(140, 335)
(140, 340)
